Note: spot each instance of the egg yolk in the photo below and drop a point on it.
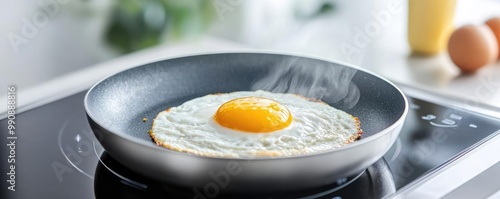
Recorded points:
(253, 114)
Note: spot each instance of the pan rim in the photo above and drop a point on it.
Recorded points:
(147, 144)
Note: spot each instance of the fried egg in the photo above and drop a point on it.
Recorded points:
(254, 124)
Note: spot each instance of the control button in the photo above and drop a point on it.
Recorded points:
(455, 116)
(472, 125)
(414, 106)
(429, 117)
(448, 121)
(443, 125)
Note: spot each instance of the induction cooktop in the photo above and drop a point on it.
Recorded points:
(56, 156)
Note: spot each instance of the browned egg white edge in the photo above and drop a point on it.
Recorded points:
(257, 153)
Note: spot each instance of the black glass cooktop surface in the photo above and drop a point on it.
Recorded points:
(57, 156)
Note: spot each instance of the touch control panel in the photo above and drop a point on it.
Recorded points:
(432, 135)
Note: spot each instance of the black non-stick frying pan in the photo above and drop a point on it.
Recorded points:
(117, 105)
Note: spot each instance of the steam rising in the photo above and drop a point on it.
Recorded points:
(313, 79)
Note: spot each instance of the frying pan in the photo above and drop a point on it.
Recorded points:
(116, 106)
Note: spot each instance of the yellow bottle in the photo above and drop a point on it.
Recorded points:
(430, 23)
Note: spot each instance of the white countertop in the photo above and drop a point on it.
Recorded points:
(433, 75)
(389, 55)
(28, 98)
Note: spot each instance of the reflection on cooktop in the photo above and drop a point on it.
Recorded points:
(113, 180)
(84, 153)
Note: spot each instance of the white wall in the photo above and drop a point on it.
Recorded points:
(68, 40)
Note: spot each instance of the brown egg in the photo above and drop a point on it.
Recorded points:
(471, 47)
(494, 24)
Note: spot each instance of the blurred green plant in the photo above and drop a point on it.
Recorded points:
(136, 24)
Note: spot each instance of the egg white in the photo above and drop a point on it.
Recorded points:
(316, 127)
